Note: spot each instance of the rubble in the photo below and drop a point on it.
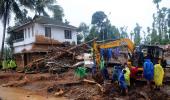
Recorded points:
(69, 86)
(58, 58)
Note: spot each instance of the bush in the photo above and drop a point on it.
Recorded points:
(8, 64)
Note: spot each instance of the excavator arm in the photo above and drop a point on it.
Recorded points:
(118, 43)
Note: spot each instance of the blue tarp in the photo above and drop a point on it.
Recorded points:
(148, 70)
(106, 53)
(122, 82)
(109, 53)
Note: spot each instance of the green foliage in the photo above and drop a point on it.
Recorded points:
(84, 29)
(93, 34)
(24, 19)
(66, 22)
(156, 1)
(58, 13)
(7, 53)
(123, 32)
(114, 32)
(132, 35)
(154, 37)
(160, 32)
(41, 5)
(98, 18)
(27, 3)
(102, 28)
(7, 7)
(12, 64)
(10, 38)
(137, 31)
(81, 72)
(168, 18)
(148, 39)
(8, 64)
(79, 38)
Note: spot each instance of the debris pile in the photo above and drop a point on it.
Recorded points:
(58, 59)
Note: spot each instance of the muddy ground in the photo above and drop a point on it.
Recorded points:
(20, 86)
(66, 86)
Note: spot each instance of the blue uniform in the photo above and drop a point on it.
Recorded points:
(116, 71)
(122, 82)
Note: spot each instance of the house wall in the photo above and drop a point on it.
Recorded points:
(19, 49)
(19, 61)
(29, 58)
(31, 30)
(39, 29)
(57, 33)
(29, 36)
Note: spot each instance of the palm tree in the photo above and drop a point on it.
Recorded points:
(157, 3)
(41, 5)
(57, 12)
(7, 7)
(131, 35)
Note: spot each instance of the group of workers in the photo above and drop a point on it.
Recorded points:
(122, 75)
(153, 73)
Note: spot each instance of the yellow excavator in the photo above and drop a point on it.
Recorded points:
(136, 54)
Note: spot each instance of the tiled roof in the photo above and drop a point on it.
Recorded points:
(46, 21)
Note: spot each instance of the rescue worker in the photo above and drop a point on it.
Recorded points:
(105, 73)
(158, 75)
(103, 69)
(148, 71)
(122, 82)
(127, 75)
(117, 69)
(133, 71)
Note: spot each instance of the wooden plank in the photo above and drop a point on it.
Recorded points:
(40, 60)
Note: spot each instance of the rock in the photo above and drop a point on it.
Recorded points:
(59, 93)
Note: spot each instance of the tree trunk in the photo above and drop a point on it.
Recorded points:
(157, 6)
(3, 37)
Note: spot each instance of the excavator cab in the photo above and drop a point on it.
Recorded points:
(146, 51)
(155, 53)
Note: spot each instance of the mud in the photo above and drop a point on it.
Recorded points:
(45, 86)
(9, 93)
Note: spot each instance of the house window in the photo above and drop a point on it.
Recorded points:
(19, 36)
(25, 33)
(48, 31)
(28, 32)
(67, 34)
(32, 31)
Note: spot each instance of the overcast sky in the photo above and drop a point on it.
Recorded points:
(120, 12)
